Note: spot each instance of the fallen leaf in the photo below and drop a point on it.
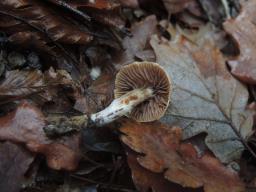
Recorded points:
(243, 30)
(108, 18)
(14, 163)
(32, 40)
(206, 97)
(180, 163)
(129, 3)
(25, 125)
(58, 155)
(97, 4)
(44, 17)
(216, 11)
(175, 6)
(20, 84)
(146, 180)
(141, 33)
(97, 96)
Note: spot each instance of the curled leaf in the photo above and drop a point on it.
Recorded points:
(243, 30)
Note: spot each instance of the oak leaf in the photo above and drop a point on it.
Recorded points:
(163, 152)
(243, 30)
(145, 180)
(206, 98)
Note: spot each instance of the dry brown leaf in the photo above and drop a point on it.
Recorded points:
(103, 11)
(58, 156)
(97, 4)
(32, 40)
(14, 162)
(180, 163)
(141, 33)
(44, 17)
(145, 180)
(243, 30)
(97, 96)
(25, 125)
(206, 98)
(19, 84)
(129, 3)
(109, 18)
(175, 6)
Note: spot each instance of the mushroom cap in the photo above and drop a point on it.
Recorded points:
(145, 75)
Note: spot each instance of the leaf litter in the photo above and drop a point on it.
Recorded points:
(179, 162)
(205, 98)
(46, 102)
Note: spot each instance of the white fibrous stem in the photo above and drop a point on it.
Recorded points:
(121, 106)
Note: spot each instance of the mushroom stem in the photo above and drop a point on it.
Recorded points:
(121, 106)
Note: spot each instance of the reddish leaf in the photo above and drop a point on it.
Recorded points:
(58, 155)
(14, 162)
(243, 30)
(146, 180)
(25, 125)
(97, 4)
(179, 162)
(175, 6)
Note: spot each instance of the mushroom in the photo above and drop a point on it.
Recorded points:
(142, 92)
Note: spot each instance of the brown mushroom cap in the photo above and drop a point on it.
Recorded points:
(145, 75)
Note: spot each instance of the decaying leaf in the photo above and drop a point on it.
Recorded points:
(175, 6)
(19, 84)
(97, 96)
(97, 4)
(31, 40)
(58, 155)
(243, 30)
(216, 11)
(138, 42)
(179, 162)
(206, 97)
(145, 180)
(14, 162)
(44, 17)
(25, 125)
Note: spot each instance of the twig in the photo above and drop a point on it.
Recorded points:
(70, 8)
